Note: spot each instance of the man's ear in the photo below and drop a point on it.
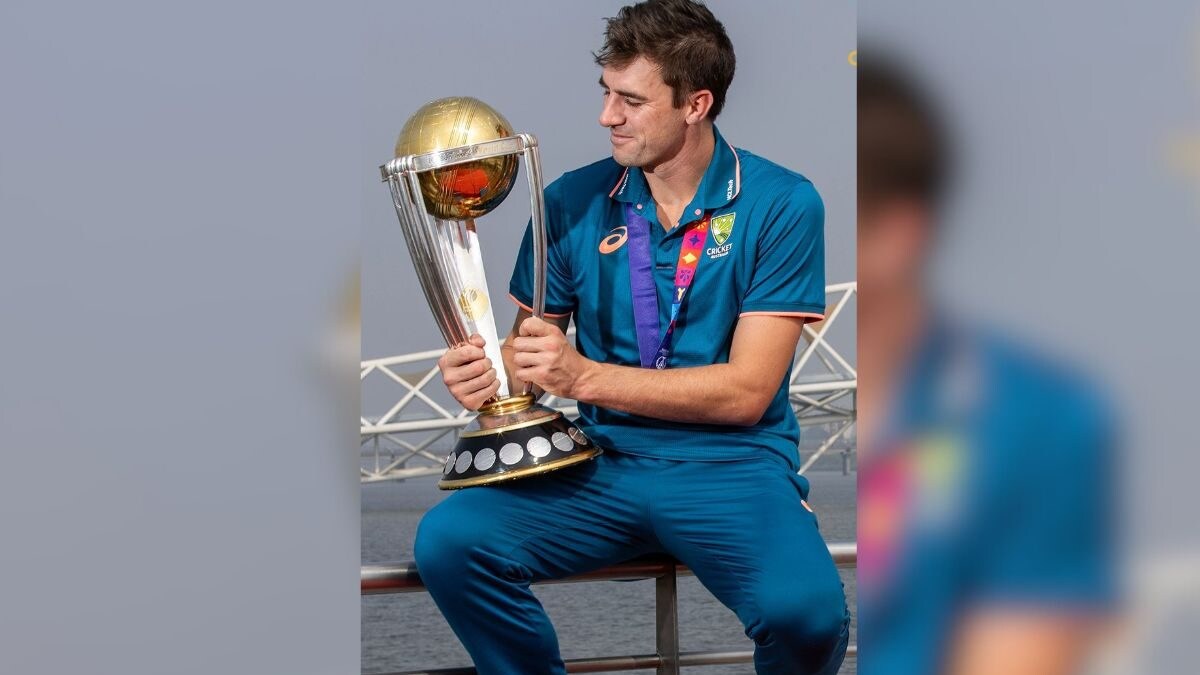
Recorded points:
(697, 106)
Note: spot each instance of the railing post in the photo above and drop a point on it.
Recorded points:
(666, 609)
(375, 450)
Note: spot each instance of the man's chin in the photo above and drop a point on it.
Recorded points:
(623, 154)
(624, 158)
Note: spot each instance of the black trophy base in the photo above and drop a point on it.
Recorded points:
(535, 445)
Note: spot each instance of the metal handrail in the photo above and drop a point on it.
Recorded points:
(404, 578)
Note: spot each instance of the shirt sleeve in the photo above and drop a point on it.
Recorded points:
(1051, 544)
(560, 293)
(789, 267)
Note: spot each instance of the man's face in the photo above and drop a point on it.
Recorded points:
(893, 243)
(645, 128)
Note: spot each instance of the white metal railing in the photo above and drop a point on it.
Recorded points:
(396, 444)
(832, 397)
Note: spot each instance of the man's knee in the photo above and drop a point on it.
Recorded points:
(807, 619)
(454, 550)
(444, 544)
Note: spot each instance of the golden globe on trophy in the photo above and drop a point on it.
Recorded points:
(456, 160)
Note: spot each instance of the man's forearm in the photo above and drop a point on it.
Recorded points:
(737, 392)
(716, 394)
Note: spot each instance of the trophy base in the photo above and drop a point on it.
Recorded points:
(514, 438)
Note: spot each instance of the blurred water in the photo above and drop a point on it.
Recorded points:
(406, 632)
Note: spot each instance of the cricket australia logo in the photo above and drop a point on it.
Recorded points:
(722, 227)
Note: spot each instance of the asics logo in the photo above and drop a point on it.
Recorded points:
(614, 240)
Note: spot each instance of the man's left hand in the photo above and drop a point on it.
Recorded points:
(544, 357)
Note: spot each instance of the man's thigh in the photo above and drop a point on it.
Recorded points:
(565, 522)
(744, 530)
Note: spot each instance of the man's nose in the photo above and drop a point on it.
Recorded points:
(610, 112)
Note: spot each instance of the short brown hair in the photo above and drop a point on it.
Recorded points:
(902, 143)
(682, 38)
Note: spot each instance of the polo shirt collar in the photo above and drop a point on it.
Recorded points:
(721, 183)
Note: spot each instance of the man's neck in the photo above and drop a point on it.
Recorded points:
(891, 325)
(674, 183)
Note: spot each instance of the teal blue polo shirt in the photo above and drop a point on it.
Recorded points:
(764, 254)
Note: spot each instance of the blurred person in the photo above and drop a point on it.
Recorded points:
(690, 267)
(986, 500)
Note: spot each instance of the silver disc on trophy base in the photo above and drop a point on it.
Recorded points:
(456, 160)
(515, 444)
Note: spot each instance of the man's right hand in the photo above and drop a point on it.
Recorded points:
(469, 374)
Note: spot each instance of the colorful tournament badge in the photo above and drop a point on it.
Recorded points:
(914, 491)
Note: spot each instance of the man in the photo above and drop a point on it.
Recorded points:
(691, 268)
(985, 494)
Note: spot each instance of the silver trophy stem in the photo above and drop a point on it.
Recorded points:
(433, 269)
(537, 204)
(537, 207)
(443, 271)
(418, 248)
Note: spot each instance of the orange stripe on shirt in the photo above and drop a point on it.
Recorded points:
(810, 316)
(529, 309)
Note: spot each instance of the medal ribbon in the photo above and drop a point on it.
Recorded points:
(645, 293)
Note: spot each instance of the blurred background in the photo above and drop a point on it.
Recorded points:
(179, 208)
(1027, 187)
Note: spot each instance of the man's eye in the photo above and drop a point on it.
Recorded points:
(632, 103)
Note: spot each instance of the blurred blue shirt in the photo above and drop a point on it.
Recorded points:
(992, 487)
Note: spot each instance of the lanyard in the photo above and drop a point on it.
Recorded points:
(645, 293)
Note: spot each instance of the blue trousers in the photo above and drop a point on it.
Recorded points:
(740, 526)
